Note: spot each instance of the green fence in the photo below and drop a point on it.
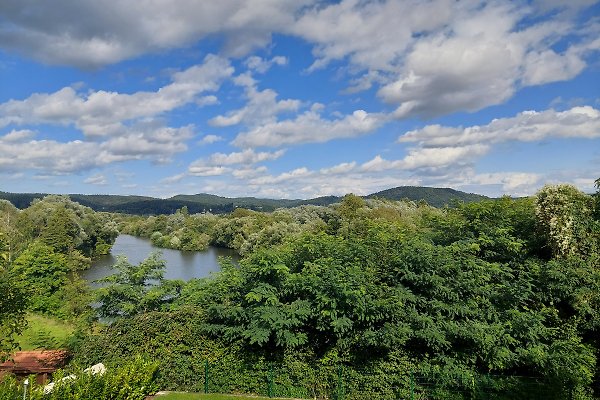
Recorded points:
(342, 382)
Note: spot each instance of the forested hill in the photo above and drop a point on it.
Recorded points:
(142, 205)
(437, 197)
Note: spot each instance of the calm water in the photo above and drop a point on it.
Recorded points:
(180, 264)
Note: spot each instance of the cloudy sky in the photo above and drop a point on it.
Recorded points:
(298, 98)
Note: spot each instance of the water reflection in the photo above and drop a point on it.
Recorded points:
(183, 265)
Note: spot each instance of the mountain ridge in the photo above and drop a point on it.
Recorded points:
(204, 202)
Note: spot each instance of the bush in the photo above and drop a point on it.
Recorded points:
(132, 381)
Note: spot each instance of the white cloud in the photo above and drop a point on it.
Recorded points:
(310, 127)
(18, 135)
(437, 57)
(245, 157)
(199, 169)
(302, 172)
(115, 126)
(261, 65)
(53, 157)
(248, 173)
(210, 139)
(339, 169)
(98, 179)
(514, 183)
(581, 122)
(430, 57)
(207, 101)
(147, 140)
(220, 163)
(262, 106)
(173, 179)
(102, 113)
(373, 35)
(91, 33)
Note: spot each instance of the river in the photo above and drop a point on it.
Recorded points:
(183, 265)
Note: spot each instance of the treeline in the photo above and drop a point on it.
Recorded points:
(207, 203)
(503, 291)
(242, 230)
(42, 249)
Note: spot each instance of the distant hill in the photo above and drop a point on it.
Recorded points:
(202, 202)
(436, 197)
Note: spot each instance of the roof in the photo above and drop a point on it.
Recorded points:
(35, 361)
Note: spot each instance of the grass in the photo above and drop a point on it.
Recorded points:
(44, 333)
(210, 396)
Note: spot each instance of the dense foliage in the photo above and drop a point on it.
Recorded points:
(365, 298)
(13, 303)
(497, 298)
(42, 248)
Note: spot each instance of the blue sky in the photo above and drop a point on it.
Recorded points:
(298, 98)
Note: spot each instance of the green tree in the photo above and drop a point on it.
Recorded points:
(45, 273)
(13, 304)
(597, 197)
(13, 237)
(61, 231)
(565, 215)
(136, 289)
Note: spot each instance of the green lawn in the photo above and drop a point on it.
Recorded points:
(210, 396)
(44, 332)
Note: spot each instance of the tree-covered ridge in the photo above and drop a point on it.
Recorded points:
(198, 203)
(436, 197)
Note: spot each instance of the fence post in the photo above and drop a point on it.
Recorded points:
(270, 387)
(340, 384)
(412, 386)
(206, 376)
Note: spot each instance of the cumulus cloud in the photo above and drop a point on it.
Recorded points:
(262, 106)
(262, 65)
(220, 163)
(310, 127)
(246, 157)
(303, 182)
(429, 57)
(210, 139)
(515, 183)
(115, 126)
(374, 35)
(173, 179)
(248, 173)
(147, 141)
(18, 135)
(437, 57)
(98, 179)
(90, 34)
(447, 155)
(199, 169)
(53, 157)
(580, 122)
(101, 113)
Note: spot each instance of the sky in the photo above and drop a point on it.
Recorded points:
(298, 98)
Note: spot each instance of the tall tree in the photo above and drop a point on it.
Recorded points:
(13, 303)
(135, 289)
(565, 215)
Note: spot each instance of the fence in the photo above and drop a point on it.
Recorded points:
(349, 383)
